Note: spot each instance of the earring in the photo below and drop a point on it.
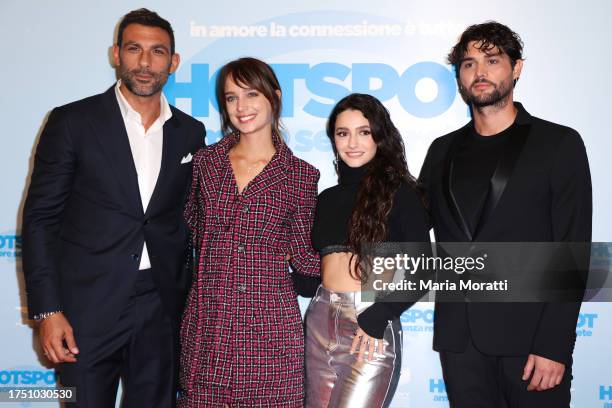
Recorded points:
(336, 163)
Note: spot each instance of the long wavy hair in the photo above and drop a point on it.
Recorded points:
(385, 173)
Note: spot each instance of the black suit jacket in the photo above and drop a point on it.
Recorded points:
(83, 223)
(539, 192)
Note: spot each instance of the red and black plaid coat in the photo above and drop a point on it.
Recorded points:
(242, 328)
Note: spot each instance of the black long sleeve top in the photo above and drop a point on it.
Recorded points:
(407, 222)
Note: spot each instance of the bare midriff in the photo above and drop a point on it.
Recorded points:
(336, 274)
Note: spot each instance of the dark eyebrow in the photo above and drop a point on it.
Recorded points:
(245, 89)
(154, 45)
(359, 127)
(462, 60)
(162, 46)
(248, 89)
(491, 54)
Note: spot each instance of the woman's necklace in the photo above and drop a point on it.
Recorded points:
(254, 166)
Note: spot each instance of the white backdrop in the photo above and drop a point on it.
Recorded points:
(57, 52)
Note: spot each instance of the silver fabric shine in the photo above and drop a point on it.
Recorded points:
(334, 378)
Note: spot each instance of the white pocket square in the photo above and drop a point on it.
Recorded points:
(186, 159)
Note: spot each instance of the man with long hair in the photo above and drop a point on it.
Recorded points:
(506, 176)
(103, 236)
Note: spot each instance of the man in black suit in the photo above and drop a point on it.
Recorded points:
(104, 241)
(505, 177)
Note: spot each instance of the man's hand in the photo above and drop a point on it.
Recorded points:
(54, 331)
(546, 373)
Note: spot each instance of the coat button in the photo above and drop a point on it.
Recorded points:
(146, 221)
(135, 257)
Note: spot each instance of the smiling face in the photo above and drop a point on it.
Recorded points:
(248, 109)
(487, 77)
(144, 60)
(353, 138)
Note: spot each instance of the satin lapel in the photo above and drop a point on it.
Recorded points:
(502, 174)
(447, 184)
(109, 129)
(172, 150)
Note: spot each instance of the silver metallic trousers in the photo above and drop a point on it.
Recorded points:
(334, 378)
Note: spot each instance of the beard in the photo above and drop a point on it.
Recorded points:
(498, 97)
(155, 85)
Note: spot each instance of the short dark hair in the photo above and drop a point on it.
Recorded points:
(256, 74)
(148, 18)
(487, 36)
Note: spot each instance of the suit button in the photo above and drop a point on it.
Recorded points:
(146, 222)
(241, 249)
(135, 257)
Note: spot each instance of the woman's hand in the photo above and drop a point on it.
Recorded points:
(363, 342)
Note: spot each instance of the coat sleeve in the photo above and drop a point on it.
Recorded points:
(194, 206)
(55, 163)
(571, 218)
(425, 174)
(304, 259)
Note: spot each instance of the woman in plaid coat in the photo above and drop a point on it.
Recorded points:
(250, 212)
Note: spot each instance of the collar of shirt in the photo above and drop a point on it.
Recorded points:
(130, 114)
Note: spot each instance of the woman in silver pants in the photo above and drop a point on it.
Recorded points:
(353, 348)
(339, 377)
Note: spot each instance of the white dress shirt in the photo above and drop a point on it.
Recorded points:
(146, 149)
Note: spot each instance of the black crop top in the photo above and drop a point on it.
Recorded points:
(407, 222)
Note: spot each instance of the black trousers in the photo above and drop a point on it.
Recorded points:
(476, 380)
(141, 350)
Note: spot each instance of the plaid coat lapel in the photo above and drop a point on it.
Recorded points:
(271, 176)
(269, 179)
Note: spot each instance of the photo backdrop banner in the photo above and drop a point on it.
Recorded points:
(55, 52)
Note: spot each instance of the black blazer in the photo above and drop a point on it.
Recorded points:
(83, 223)
(539, 192)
